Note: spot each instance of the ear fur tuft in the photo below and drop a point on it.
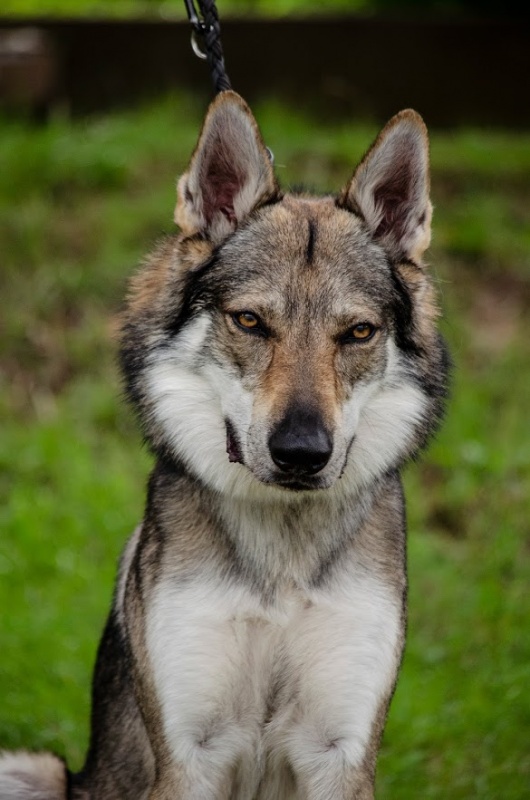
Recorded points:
(230, 173)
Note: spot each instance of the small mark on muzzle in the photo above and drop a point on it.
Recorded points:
(301, 445)
(232, 445)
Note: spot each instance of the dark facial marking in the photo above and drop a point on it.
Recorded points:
(195, 296)
(402, 310)
(232, 445)
(311, 241)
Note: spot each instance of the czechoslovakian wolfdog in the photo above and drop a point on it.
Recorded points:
(282, 354)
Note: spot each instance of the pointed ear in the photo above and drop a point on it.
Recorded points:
(230, 172)
(390, 188)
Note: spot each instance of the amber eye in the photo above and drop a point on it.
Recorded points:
(360, 333)
(247, 320)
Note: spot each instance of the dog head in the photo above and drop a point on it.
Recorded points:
(287, 343)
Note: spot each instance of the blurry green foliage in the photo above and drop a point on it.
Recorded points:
(174, 9)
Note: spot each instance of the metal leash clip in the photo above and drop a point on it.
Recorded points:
(199, 28)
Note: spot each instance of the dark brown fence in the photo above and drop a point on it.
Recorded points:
(454, 73)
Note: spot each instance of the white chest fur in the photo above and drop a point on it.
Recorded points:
(252, 693)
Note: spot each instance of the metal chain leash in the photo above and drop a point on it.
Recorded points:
(207, 32)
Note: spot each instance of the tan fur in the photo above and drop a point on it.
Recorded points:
(147, 287)
(288, 378)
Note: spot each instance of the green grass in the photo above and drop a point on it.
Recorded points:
(174, 9)
(79, 204)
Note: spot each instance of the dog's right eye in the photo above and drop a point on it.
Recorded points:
(249, 322)
(246, 319)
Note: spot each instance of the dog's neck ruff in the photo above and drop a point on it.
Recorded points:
(282, 538)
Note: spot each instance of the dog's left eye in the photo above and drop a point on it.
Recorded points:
(249, 322)
(361, 332)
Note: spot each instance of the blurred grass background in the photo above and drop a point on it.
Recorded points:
(174, 9)
(80, 202)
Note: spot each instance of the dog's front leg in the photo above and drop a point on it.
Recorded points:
(179, 783)
(202, 771)
(341, 664)
(194, 665)
(337, 781)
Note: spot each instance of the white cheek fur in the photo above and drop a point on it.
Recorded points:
(190, 401)
(383, 417)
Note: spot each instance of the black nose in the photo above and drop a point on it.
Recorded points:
(301, 444)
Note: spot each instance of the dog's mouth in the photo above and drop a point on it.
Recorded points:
(298, 485)
(233, 447)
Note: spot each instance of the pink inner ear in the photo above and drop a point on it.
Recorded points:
(395, 215)
(220, 186)
(394, 198)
